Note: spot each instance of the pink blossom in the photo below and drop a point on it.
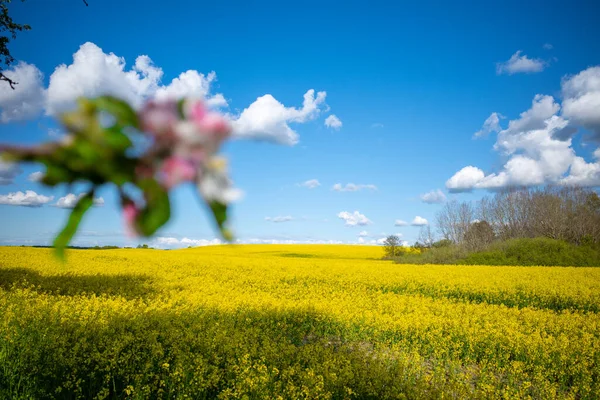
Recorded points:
(130, 213)
(158, 118)
(176, 170)
(216, 125)
(208, 123)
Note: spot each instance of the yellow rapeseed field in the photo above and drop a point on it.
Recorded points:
(291, 322)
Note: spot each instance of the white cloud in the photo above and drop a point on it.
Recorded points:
(419, 221)
(70, 200)
(434, 197)
(93, 73)
(172, 242)
(597, 154)
(520, 64)
(35, 176)
(583, 173)
(354, 219)
(200, 242)
(26, 100)
(491, 125)
(27, 199)
(537, 152)
(352, 187)
(400, 222)
(377, 125)
(281, 218)
(548, 46)
(333, 122)
(268, 119)
(311, 184)
(168, 241)
(465, 179)
(581, 99)
(8, 172)
(363, 234)
(190, 83)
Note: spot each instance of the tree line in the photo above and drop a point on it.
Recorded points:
(570, 214)
(558, 220)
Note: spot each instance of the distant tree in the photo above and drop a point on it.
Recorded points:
(479, 234)
(391, 246)
(426, 236)
(9, 30)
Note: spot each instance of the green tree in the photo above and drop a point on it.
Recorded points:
(391, 246)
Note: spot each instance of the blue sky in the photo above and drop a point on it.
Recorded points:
(411, 84)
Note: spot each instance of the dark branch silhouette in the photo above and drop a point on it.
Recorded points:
(7, 79)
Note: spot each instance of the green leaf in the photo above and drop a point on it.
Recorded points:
(121, 110)
(157, 210)
(117, 140)
(219, 211)
(65, 236)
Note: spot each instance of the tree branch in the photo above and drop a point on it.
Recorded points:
(7, 79)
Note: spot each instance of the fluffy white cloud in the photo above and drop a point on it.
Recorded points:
(434, 197)
(548, 46)
(597, 154)
(419, 221)
(363, 234)
(465, 179)
(268, 119)
(35, 176)
(70, 200)
(583, 173)
(520, 64)
(27, 99)
(311, 184)
(168, 241)
(333, 122)
(281, 218)
(536, 149)
(581, 99)
(400, 222)
(200, 242)
(27, 199)
(491, 124)
(172, 242)
(8, 172)
(352, 187)
(354, 219)
(93, 73)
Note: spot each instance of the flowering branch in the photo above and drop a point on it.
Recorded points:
(183, 139)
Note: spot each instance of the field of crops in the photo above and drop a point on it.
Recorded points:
(292, 321)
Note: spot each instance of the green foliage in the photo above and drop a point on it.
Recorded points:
(392, 246)
(517, 252)
(219, 211)
(65, 236)
(538, 251)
